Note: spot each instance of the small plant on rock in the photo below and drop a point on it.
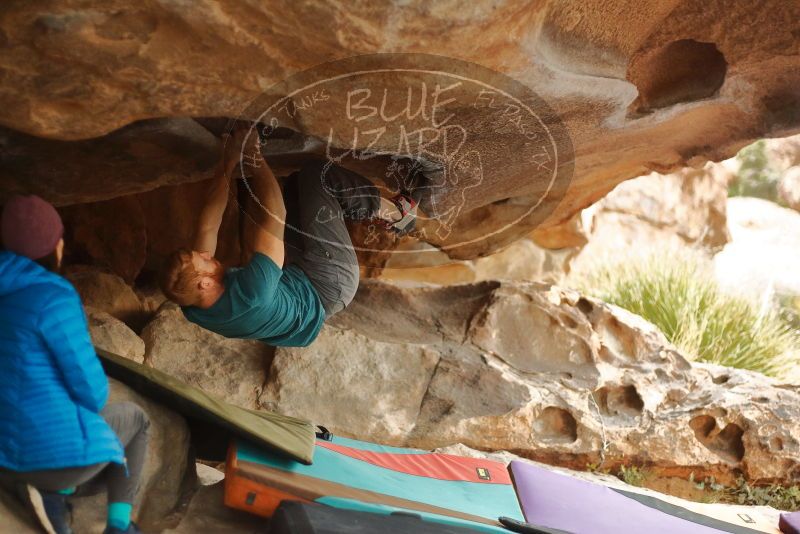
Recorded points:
(635, 476)
(775, 495)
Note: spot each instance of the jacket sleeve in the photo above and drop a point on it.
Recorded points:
(63, 327)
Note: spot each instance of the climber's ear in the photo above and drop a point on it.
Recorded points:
(59, 252)
(204, 283)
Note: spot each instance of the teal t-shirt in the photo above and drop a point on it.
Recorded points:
(261, 301)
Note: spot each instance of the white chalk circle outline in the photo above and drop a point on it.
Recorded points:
(437, 248)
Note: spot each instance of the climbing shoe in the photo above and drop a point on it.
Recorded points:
(132, 529)
(407, 207)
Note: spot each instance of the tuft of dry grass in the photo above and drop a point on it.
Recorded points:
(679, 296)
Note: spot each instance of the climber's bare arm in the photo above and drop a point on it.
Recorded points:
(269, 213)
(210, 219)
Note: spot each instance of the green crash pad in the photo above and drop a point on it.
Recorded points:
(291, 437)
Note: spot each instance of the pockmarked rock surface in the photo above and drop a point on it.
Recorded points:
(112, 335)
(163, 474)
(639, 86)
(542, 372)
(232, 369)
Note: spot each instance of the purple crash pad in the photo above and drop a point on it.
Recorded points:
(563, 502)
(790, 523)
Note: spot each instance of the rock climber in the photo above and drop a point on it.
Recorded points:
(58, 435)
(281, 302)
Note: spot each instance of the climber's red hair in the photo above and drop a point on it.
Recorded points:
(179, 278)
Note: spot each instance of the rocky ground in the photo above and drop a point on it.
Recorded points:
(528, 368)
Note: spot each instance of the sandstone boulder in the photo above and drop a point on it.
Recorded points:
(544, 373)
(110, 235)
(357, 382)
(522, 260)
(773, 166)
(15, 517)
(658, 213)
(763, 258)
(112, 335)
(106, 292)
(783, 152)
(232, 369)
(164, 471)
(789, 188)
(151, 298)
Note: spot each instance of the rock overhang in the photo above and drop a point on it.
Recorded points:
(638, 86)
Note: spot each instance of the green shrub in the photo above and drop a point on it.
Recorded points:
(679, 296)
(755, 177)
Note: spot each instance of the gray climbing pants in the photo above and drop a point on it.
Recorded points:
(319, 198)
(131, 425)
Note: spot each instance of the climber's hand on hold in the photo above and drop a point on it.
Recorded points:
(251, 149)
(210, 217)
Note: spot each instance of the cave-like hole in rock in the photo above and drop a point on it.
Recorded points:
(555, 425)
(585, 306)
(782, 105)
(616, 401)
(681, 71)
(726, 443)
(703, 426)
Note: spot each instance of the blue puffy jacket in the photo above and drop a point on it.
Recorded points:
(52, 386)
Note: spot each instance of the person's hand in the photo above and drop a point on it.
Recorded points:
(251, 147)
(233, 150)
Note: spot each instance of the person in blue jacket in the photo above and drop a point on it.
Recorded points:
(56, 430)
